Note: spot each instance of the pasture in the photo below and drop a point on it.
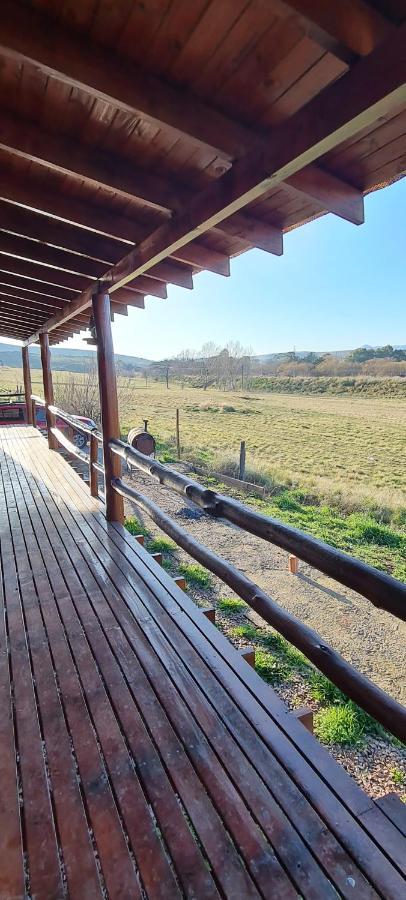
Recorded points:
(335, 465)
(346, 445)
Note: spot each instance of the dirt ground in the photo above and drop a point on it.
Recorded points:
(370, 639)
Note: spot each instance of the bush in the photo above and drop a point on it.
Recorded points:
(134, 526)
(339, 725)
(323, 690)
(269, 667)
(161, 545)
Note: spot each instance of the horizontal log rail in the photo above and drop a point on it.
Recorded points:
(38, 400)
(383, 708)
(73, 422)
(382, 590)
(69, 445)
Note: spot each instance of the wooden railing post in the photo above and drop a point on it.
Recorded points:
(27, 385)
(48, 387)
(93, 457)
(108, 402)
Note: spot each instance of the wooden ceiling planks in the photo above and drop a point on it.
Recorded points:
(104, 145)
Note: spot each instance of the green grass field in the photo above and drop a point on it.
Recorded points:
(339, 444)
(337, 463)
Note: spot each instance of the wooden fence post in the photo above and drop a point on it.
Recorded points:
(108, 402)
(27, 384)
(241, 472)
(177, 434)
(93, 457)
(48, 387)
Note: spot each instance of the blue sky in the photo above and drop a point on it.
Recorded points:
(337, 286)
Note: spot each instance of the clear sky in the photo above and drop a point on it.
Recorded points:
(337, 286)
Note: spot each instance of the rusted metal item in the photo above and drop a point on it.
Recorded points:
(142, 440)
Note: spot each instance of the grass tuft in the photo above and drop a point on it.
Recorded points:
(161, 545)
(195, 575)
(324, 691)
(133, 525)
(269, 667)
(339, 725)
(229, 605)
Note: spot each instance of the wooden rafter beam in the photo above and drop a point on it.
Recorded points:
(110, 224)
(68, 157)
(63, 236)
(330, 192)
(12, 303)
(36, 252)
(30, 286)
(372, 88)
(16, 270)
(46, 303)
(26, 35)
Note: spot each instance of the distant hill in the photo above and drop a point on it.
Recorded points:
(66, 360)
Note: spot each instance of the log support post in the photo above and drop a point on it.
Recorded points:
(108, 402)
(48, 388)
(27, 385)
(210, 614)
(305, 716)
(157, 557)
(293, 564)
(180, 581)
(248, 653)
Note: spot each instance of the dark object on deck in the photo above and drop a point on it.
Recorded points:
(142, 440)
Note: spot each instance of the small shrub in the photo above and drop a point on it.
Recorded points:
(161, 545)
(269, 667)
(195, 574)
(228, 409)
(338, 725)
(398, 777)
(230, 605)
(249, 632)
(324, 691)
(134, 526)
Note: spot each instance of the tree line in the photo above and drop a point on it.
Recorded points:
(233, 366)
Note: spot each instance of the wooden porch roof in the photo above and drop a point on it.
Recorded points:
(172, 136)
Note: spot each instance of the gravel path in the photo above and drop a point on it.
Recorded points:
(372, 640)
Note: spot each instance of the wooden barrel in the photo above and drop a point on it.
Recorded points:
(141, 440)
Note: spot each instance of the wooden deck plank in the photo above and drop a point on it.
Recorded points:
(203, 816)
(367, 853)
(73, 827)
(11, 849)
(138, 821)
(43, 871)
(179, 733)
(79, 488)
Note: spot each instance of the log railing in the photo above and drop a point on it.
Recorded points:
(383, 708)
(382, 590)
(95, 438)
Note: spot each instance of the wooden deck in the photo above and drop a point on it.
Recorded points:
(140, 756)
